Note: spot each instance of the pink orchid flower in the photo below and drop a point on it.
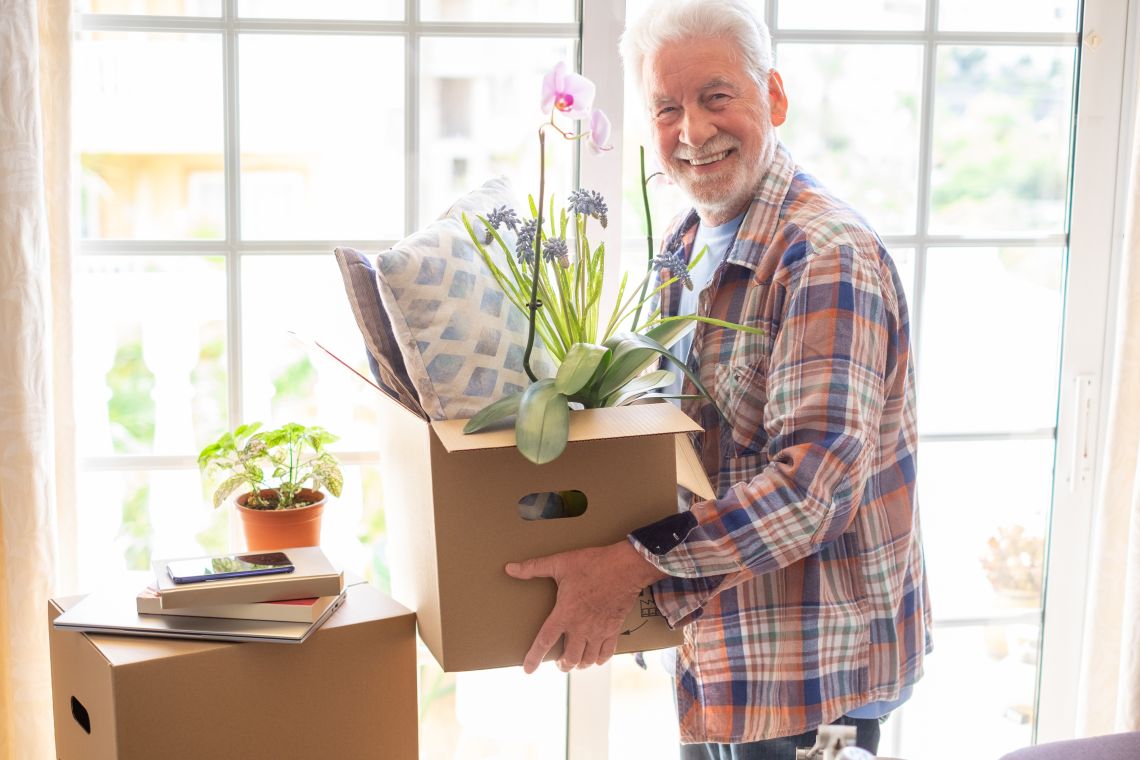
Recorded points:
(571, 94)
(599, 132)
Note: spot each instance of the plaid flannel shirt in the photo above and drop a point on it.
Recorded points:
(804, 580)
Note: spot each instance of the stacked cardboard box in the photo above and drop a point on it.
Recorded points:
(348, 692)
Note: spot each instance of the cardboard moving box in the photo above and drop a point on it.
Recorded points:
(347, 692)
(452, 504)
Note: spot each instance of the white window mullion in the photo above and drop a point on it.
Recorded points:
(412, 117)
(232, 174)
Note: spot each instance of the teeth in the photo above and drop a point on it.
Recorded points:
(708, 159)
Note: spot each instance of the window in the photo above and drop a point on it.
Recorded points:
(224, 148)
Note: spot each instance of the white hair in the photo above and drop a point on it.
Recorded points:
(668, 21)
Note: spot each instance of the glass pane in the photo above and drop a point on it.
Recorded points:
(969, 679)
(128, 518)
(546, 11)
(990, 339)
(284, 380)
(147, 122)
(491, 714)
(1008, 15)
(843, 14)
(984, 534)
(154, 7)
(904, 264)
(643, 713)
(322, 137)
(1001, 140)
(150, 369)
(368, 10)
(864, 149)
(479, 117)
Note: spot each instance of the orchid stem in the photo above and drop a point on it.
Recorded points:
(533, 305)
(648, 237)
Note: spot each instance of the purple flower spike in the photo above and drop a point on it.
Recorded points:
(571, 94)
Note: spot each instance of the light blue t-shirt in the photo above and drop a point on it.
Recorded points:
(718, 239)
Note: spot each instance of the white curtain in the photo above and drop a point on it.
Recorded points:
(1109, 698)
(36, 453)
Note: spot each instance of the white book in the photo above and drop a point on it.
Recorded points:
(313, 575)
(307, 610)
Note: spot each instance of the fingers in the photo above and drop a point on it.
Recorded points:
(606, 651)
(572, 653)
(547, 637)
(590, 655)
(539, 567)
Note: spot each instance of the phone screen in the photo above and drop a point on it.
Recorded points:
(229, 566)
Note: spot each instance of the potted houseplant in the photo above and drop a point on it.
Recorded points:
(282, 472)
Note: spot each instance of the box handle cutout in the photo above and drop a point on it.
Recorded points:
(79, 712)
(552, 505)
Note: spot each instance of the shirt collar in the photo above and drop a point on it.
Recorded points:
(759, 225)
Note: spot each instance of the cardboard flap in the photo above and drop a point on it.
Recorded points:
(690, 474)
(631, 421)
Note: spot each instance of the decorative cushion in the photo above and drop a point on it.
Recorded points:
(384, 357)
(461, 339)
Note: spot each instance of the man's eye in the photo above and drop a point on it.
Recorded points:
(666, 111)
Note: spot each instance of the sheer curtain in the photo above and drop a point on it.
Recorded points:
(36, 455)
(1109, 699)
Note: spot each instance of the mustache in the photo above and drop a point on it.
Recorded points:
(711, 148)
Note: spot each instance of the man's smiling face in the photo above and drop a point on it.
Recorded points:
(711, 122)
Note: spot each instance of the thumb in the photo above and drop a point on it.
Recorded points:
(540, 567)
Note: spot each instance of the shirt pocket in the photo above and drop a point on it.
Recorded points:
(741, 392)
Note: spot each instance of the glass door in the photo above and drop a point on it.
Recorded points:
(949, 125)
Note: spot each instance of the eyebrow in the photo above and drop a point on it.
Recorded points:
(715, 83)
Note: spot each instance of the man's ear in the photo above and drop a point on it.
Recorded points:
(777, 98)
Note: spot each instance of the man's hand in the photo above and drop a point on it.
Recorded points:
(597, 587)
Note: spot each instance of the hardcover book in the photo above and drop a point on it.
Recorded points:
(313, 576)
(286, 610)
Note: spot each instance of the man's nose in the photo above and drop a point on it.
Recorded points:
(696, 129)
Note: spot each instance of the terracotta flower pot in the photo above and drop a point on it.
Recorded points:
(270, 529)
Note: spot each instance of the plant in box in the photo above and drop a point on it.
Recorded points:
(557, 283)
(282, 472)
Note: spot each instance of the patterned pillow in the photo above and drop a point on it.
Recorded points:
(384, 358)
(461, 340)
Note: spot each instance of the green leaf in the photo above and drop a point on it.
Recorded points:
(579, 365)
(630, 359)
(493, 412)
(632, 345)
(228, 486)
(543, 422)
(668, 333)
(639, 386)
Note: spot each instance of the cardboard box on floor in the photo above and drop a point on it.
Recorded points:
(347, 692)
(452, 505)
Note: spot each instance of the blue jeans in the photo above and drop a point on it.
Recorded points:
(784, 748)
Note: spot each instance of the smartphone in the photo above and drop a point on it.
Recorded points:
(228, 566)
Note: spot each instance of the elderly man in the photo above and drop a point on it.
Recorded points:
(802, 585)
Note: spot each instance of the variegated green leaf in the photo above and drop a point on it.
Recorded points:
(228, 486)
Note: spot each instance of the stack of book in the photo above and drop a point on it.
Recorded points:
(279, 596)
